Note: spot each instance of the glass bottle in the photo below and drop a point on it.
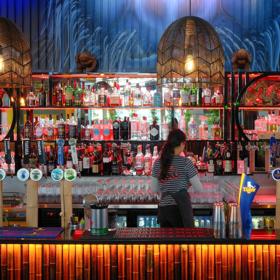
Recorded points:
(38, 128)
(157, 99)
(68, 95)
(31, 99)
(72, 125)
(59, 96)
(107, 160)
(164, 130)
(134, 127)
(154, 130)
(144, 129)
(138, 102)
(116, 161)
(96, 161)
(192, 129)
(124, 129)
(28, 128)
(69, 162)
(148, 161)
(155, 155)
(206, 97)
(60, 125)
(102, 97)
(86, 163)
(194, 95)
(116, 129)
(139, 161)
(167, 96)
(227, 160)
(77, 95)
(185, 96)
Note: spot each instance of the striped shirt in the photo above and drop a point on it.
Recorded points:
(179, 174)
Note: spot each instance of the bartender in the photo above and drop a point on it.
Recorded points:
(173, 174)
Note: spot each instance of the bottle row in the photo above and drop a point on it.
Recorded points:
(120, 129)
(113, 159)
(102, 94)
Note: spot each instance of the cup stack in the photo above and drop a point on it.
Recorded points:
(235, 229)
(219, 220)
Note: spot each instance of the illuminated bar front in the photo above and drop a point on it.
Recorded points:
(136, 258)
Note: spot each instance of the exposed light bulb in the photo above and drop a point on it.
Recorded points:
(189, 64)
(22, 102)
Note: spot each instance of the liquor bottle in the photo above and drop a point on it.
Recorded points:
(96, 133)
(193, 97)
(144, 129)
(102, 97)
(124, 129)
(68, 95)
(77, 95)
(206, 97)
(96, 162)
(126, 94)
(69, 162)
(6, 101)
(192, 129)
(28, 128)
(185, 96)
(87, 97)
(38, 128)
(42, 97)
(154, 130)
(59, 96)
(128, 162)
(31, 99)
(155, 155)
(93, 97)
(80, 151)
(216, 131)
(182, 122)
(86, 163)
(72, 125)
(87, 131)
(147, 97)
(60, 125)
(134, 127)
(139, 161)
(116, 161)
(50, 159)
(164, 130)
(210, 159)
(219, 170)
(176, 96)
(33, 157)
(157, 99)
(107, 160)
(115, 96)
(227, 160)
(138, 102)
(116, 129)
(49, 129)
(203, 129)
(148, 161)
(167, 96)
(107, 130)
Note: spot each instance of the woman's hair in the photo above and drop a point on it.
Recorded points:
(174, 139)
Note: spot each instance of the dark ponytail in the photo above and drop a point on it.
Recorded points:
(174, 139)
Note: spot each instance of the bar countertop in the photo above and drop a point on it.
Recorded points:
(145, 236)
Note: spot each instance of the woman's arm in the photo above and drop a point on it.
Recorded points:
(196, 184)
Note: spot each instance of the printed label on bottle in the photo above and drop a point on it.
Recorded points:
(106, 132)
(69, 164)
(49, 131)
(95, 168)
(96, 131)
(193, 98)
(106, 159)
(38, 132)
(154, 132)
(86, 163)
(72, 131)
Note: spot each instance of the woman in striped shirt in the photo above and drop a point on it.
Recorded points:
(174, 173)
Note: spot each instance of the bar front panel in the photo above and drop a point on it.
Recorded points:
(140, 261)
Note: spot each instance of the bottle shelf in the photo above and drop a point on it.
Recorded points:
(126, 108)
(257, 108)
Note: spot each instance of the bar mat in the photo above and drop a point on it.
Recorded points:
(152, 233)
(30, 232)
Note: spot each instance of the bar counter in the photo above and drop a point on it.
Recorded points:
(142, 254)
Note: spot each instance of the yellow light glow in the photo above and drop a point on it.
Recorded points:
(1, 63)
(12, 99)
(189, 64)
(22, 102)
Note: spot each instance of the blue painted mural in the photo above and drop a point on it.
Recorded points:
(124, 34)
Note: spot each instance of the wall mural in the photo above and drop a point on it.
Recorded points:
(124, 34)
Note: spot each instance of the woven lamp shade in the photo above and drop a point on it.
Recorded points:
(15, 71)
(190, 51)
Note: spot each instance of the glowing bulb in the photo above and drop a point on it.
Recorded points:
(22, 102)
(189, 65)
(12, 100)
